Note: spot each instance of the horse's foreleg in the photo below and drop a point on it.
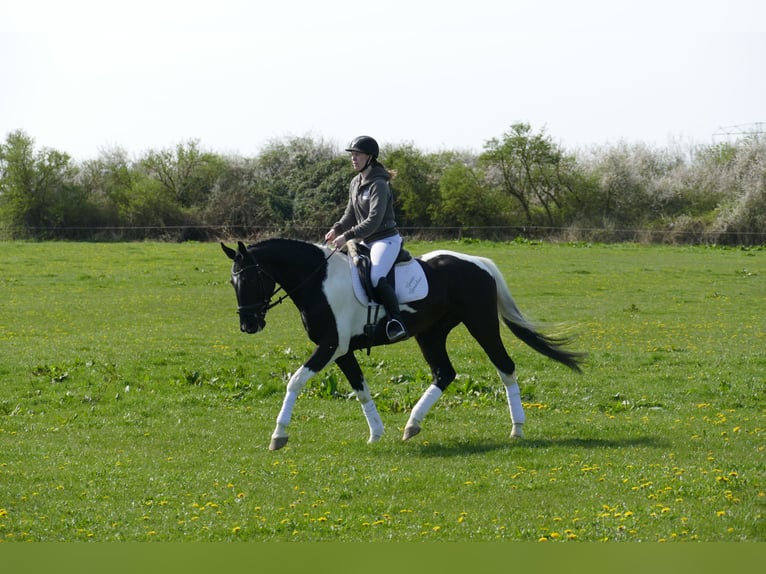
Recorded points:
(350, 367)
(294, 387)
(513, 393)
(318, 360)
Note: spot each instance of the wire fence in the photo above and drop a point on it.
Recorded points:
(203, 233)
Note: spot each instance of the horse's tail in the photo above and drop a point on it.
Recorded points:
(551, 346)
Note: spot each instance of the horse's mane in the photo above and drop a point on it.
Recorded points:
(294, 251)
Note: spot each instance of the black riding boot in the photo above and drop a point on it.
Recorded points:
(386, 296)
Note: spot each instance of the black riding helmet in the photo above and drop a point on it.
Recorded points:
(364, 144)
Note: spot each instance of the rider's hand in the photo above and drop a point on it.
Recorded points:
(330, 235)
(340, 241)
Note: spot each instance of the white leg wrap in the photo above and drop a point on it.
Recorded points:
(286, 412)
(294, 387)
(513, 393)
(371, 414)
(420, 410)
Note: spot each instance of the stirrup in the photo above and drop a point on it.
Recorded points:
(395, 331)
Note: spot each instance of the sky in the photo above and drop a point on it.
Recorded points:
(87, 76)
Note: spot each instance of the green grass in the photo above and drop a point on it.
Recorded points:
(131, 408)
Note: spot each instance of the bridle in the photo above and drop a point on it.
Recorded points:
(258, 310)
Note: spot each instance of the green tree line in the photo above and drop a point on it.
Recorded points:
(521, 183)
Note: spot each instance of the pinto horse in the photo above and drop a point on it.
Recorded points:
(318, 279)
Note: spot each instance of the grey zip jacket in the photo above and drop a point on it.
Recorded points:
(369, 213)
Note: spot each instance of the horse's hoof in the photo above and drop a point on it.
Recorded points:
(410, 432)
(374, 438)
(516, 432)
(277, 442)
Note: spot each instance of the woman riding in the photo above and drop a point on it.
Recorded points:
(369, 217)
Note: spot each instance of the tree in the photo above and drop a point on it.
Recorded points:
(531, 169)
(321, 198)
(37, 189)
(186, 173)
(464, 200)
(287, 170)
(415, 185)
(110, 180)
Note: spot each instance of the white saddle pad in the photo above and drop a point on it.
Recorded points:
(411, 284)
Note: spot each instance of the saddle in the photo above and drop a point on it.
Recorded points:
(413, 284)
(360, 255)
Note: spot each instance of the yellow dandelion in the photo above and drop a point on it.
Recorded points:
(236, 530)
(721, 513)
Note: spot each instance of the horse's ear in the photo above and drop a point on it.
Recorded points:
(230, 253)
(242, 249)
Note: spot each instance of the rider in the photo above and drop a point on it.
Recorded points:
(369, 217)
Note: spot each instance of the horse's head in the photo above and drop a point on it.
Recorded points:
(253, 287)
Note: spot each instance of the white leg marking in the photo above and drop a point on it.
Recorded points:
(513, 393)
(294, 387)
(370, 413)
(420, 410)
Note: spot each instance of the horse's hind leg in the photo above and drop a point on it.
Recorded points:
(433, 346)
(513, 394)
(488, 336)
(350, 367)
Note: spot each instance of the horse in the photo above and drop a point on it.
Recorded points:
(318, 279)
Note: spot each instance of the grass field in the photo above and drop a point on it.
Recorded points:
(132, 408)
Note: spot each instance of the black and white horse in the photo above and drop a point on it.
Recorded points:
(320, 281)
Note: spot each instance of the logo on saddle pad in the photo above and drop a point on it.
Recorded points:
(410, 281)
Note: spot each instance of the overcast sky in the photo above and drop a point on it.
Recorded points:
(83, 76)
